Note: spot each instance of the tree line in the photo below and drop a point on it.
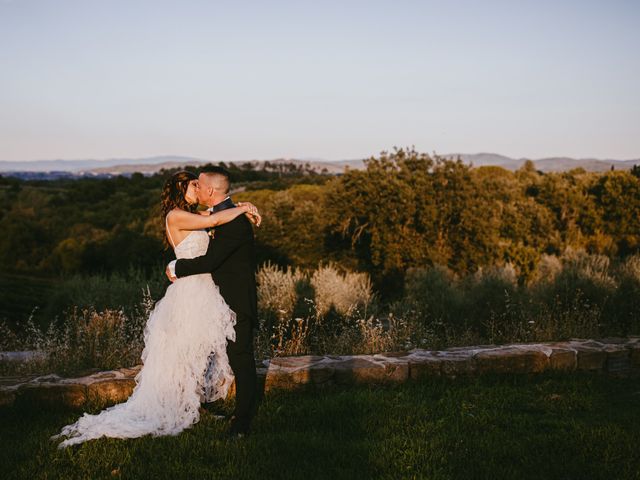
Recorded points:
(405, 209)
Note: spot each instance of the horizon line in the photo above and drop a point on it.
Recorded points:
(304, 159)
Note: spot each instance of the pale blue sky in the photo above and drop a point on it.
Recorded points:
(328, 79)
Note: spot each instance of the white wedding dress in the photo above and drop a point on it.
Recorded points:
(191, 322)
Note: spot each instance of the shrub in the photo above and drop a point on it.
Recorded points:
(333, 311)
(624, 309)
(89, 339)
(548, 268)
(277, 294)
(343, 291)
(584, 277)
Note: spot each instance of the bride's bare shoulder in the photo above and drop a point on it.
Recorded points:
(172, 213)
(178, 212)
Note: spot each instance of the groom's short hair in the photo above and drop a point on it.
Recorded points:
(221, 173)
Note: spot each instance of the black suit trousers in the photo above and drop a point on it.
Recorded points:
(242, 362)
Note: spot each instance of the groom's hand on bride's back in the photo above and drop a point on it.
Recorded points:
(169, 276)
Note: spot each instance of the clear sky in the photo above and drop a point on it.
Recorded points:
(344, 79)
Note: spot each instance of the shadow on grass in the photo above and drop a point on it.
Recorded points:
(554, 426)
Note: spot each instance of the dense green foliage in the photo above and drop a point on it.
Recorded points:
(406, 210)
(579, 425)
(103, 225)
(411, 210)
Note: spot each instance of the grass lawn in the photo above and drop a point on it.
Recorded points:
(578, 426)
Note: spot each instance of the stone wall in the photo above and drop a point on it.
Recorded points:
(618, 356)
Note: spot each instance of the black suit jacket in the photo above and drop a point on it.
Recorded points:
(230, 258)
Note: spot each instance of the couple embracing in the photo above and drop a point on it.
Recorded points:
(199, 336)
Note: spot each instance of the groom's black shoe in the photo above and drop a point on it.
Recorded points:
(237, 429)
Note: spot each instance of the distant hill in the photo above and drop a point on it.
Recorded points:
(145, 168)
(551, 164)
(486, 159)
(150, 165)
(330, 167)
(85, 165)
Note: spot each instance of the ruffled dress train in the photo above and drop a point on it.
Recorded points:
(184, 361)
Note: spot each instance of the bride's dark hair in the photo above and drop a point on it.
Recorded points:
(173, 194)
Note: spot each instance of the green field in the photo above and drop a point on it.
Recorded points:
(551, 426)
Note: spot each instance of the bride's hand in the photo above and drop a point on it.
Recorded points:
(255, 218)
(248, 207)
(252, 212)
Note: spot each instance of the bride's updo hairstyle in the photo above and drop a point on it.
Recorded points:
(174, 193)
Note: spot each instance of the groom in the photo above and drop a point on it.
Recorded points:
(230, 259)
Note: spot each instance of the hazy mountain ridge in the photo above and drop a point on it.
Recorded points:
(150, 165)
(549, 164)
(61, 165)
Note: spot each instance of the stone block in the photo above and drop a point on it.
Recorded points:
(591, 355)
(110, 391)
(424, 365)
(511, 359)
(618, 358)
(563, 358)
(289, 373)
(296, 362)
(52, 395)
(393, 354)
(634, 353)
(613, 355)
(397, 367)
(455, 363)
(365, 369)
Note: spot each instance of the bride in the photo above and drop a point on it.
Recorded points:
(191, 322)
